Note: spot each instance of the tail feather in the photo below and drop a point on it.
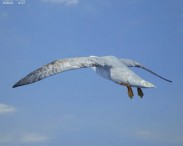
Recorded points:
(147, 84)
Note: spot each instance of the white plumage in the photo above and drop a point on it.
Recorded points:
(109, 67)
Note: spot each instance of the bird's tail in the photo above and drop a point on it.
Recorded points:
(146, 84)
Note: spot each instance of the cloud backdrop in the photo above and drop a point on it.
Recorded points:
(79, 107)
(66, 2)
(4, 108)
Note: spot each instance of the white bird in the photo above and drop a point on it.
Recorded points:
(109, 67)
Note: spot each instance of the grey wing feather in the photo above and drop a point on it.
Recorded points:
(133, 63)
(59, 66)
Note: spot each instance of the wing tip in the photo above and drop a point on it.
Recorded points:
(15, 85)
(167, 80)
(170, 81)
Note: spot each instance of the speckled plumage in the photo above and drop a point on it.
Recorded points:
(109, 67)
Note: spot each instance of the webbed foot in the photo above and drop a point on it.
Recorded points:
(130, 92)
(140, 93)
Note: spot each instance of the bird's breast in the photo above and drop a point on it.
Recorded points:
(103, 71)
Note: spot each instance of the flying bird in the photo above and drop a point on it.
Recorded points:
(110, 67)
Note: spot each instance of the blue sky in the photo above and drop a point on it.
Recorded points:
(79, 108)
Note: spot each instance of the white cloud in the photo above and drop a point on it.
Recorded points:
(22, 138)
(66, 2)
(4, 108)
(143, 133)
(158, 136)
(33, 138)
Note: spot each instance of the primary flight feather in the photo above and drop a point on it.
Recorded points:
(109, 67)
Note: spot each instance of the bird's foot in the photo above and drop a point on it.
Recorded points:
(130, 92)
(140, 93)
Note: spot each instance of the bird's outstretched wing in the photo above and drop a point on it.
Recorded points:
(59, 66)
(132, 63)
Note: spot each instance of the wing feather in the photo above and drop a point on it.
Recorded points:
(59, 66)
(133, 63)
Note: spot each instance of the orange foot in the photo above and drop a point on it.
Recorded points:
(130, 92)
(140, 93)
